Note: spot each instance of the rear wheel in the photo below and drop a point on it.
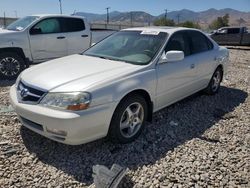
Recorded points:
(128, 119)
(11, 65)
(214, 84)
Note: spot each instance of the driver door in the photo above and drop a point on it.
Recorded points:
(47, 41)
(176, 79)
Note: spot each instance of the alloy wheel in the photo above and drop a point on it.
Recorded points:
(9, 66)
(131, 120)
(216, 81)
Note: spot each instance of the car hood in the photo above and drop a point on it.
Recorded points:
(75, 73)
(5, 31)
(7, 37)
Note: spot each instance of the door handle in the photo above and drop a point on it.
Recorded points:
(84, 35)
(192, 66)
(61, 37)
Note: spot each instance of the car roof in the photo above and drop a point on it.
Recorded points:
(159, 29)
(57, 15)
(237, 27)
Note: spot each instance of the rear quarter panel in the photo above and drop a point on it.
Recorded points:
(223, 59)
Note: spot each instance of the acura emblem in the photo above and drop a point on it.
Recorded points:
(24, 92)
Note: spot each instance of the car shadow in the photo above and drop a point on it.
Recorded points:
(170, 127)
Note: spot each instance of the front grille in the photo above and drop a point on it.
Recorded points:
(29, 94)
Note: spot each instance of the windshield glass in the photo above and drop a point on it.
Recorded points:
(136, 47)
(22, 23)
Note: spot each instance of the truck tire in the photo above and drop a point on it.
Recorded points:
(11, 65)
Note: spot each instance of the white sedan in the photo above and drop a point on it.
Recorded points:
(115, 86)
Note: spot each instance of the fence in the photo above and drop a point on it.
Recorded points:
(94, 26)
(113, 26)
(6, 21)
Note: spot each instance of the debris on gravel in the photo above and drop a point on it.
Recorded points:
(201, 141)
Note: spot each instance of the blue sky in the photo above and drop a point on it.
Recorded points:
(154, 7)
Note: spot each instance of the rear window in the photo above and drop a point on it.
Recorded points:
(233, 30)
(72, 24)
(199, 42)
(210, 44)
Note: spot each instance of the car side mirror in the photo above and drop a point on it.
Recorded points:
(35, 31)
(172, 56)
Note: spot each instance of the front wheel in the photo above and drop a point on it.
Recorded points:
(128, 119)
(11, 65)
(214, 84)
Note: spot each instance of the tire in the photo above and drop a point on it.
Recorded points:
(126, 125)
(214, 84)
(11, 65)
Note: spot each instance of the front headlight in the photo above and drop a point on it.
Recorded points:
(67, 101)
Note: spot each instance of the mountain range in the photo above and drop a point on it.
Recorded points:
(204, 18)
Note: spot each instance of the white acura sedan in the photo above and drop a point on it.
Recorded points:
(115, 86)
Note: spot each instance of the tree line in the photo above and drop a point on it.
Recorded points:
(216, 24)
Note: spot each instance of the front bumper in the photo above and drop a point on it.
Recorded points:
(80, 127)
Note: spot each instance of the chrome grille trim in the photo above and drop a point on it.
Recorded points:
(29, 94)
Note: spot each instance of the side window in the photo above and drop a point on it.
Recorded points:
(179, 41)
(233, 30)
(47, 26)
(72, 24)
(199, 42)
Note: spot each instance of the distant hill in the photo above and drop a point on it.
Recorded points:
(137, 16)
(183, 15)
(204, 17)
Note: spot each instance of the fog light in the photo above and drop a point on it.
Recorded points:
(57, 132)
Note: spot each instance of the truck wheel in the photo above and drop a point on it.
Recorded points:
(11, 65)
(128, 119)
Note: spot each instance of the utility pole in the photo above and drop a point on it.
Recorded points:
(60, 2)
(166, 13)
(4, 20)
(107, 14)
(178, 18)
(131, 19)
(15, 13)
(149, 20)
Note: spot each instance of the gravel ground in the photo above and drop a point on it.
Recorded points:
(202, 141)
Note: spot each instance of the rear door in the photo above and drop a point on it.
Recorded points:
(47, 41)
(204, 56)
(77, 34)
(233, 36)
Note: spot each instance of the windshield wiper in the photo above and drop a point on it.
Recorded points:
(103, 57)
(108, 58)
(11, 29)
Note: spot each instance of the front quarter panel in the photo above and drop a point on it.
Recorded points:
(17, 39)
(117, 89)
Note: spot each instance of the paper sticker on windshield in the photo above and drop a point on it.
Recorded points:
(150, 33)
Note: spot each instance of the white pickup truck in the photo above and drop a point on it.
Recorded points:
(39, 38)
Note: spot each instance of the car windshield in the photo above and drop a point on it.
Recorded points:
(136, 47)
(22, 23)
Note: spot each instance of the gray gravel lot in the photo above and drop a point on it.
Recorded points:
(201, 141)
